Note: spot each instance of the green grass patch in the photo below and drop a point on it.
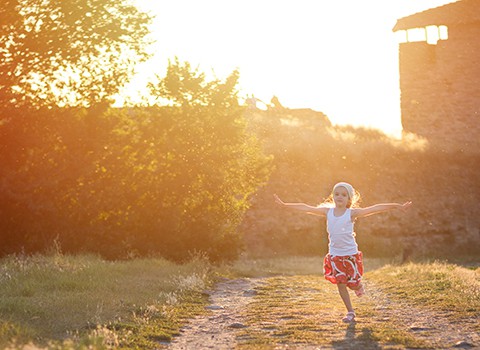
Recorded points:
(83, 301)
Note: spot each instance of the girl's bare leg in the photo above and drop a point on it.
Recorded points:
(342, 289)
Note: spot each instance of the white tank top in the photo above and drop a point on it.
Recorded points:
(340, 234)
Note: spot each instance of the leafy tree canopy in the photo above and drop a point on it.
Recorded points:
(68, 52)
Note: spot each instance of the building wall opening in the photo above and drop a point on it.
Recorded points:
(431, 34)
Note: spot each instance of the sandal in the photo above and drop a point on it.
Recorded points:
(360, 291)
(350, 317)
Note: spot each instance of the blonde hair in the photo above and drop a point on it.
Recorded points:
(353, 196)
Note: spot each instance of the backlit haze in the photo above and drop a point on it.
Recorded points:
(337, 57)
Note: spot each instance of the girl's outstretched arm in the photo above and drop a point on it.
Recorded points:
(320, 211)
(379, 208)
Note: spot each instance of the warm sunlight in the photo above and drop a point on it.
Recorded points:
(223, 174)
(339, 57)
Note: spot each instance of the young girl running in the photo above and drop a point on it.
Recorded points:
(343, 264)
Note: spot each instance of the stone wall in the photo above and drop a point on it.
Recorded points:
(440, 90)
(310, 156)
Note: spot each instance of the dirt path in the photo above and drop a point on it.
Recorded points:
(303, 313)
(218, 329)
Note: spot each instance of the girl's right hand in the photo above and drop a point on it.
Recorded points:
(278, 200)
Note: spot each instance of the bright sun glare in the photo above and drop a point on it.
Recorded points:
(337, 57)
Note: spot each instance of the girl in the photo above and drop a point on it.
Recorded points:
(343, 264)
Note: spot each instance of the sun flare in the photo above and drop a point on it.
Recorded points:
(340, 58)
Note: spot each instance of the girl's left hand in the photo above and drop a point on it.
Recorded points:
(406, 205)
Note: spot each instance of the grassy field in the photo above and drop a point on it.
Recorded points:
(73, 302)
(80, 302)
(441, 286)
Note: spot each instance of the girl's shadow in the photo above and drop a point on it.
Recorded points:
(364, 340)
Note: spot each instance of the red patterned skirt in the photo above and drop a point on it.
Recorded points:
(344, 269)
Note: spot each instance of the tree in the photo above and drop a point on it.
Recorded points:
(199, 166)
(57, 53)
(68, 52)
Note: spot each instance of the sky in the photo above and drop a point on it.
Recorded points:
(337, 57)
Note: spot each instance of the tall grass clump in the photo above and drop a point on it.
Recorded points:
(61, 299)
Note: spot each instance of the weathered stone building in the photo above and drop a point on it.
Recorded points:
(440, 75)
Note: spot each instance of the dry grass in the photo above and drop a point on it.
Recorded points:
(439, 285)
(74, 300)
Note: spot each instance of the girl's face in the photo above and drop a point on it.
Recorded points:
(340, 197)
